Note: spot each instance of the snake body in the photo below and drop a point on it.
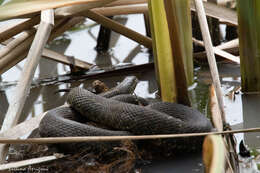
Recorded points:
(121, 118)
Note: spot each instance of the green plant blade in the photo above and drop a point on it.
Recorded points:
(179, 21)
(162, 51)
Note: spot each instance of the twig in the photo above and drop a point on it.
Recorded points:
(218, 51)
(125, 2)
(11, 31)
(23, 128)
(20, 51)
(119, 28)
(47, 53)
(16, 42)
(230, 44)
(50, 140)
(55, 56)
(23, 86)
(224, 14)
(120, 10)
(78, 8)
(10, 166)
(210, 55)
(215, 112)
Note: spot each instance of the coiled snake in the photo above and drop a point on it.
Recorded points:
(121, 118)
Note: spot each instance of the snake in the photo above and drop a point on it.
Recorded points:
(120, 113)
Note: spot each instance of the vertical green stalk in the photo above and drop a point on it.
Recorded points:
(162, 51)
(180, 30)
(249, 43)
(179, 21)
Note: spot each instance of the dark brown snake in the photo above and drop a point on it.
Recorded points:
(111, 110)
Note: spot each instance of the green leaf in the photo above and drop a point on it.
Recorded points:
(162, 51)
(16, 8)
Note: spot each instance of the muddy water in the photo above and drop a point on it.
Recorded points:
(242, 110)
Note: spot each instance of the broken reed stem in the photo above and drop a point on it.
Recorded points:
(117, 138)
(9, 166)
(218, 51)
(20, 52)
(16, 42)
(55, 56)
(210, 55)
(65, 25)
(121, 10)
(126, 2)
(23, 86)
(16, 55)
(9, 32)
(119, 28)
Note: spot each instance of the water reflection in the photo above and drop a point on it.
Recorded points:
(251, 117)
(193, 164)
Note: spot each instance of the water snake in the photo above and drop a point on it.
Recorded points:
(120, 118)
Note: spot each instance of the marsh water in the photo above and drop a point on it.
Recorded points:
(241, 110)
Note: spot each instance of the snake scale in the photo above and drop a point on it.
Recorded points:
(118, 113)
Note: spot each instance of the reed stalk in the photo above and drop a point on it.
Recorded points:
(16, 42)
(249, 44)
(179, 22)
(214, 154)
(15, 29)
(121, 10)
(119, 28)
(210, 55)
(125, 2)
(51, 140)
(23, 86)
(163, 55)
(20, 51)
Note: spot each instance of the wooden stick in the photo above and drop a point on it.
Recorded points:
(16, 42)
(119, 28)
(51, 140)
(20, 52)
(121, 10)
(69, 11)
(125, 2)
(214, 154)
(23, 86)
(215, 112)
(220, 52)
(49, 54)
(14, 165)
(230, 44)
(210, 55)
(15, 29)
(67, 24)
(23, 128)
(219, 12)
(203, 54)
(52, 55)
